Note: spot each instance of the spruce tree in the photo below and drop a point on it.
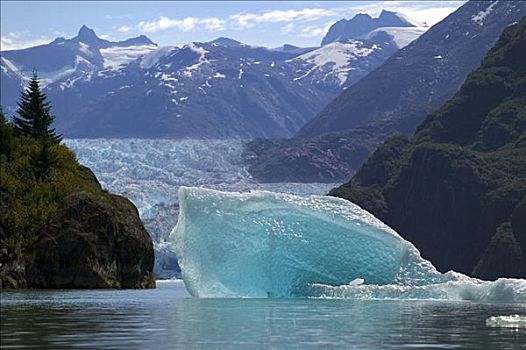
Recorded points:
(6, 136)
(44, 160)
(34, 117)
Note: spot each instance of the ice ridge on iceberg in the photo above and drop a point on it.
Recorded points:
(265, 244)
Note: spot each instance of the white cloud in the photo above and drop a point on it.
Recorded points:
(184, 25)
(314, 31)
(16, 41)
(308, 23)
(124, 29)
(107, 37)
(287, 29)
(430, 12)
(249, 20)
(431, 15)
(303, 22)
(213, 24)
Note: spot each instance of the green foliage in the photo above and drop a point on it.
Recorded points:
(6, 137)
(33, 180)
(36, 172)
(382, 165)
(34, 117)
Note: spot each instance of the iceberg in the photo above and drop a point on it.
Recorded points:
(262, 244)
(506, 321)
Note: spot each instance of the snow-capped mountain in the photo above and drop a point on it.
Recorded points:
(218, 89)
(363, 25)
(343, 63)
(353, 48)
(422, 76)
(394, 98)
(84, 53)
(200, 90)
(66, 61)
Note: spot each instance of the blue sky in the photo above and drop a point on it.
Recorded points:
(268, 23)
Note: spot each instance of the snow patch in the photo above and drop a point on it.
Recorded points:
(481, 16)
(9, 65)
(200, 61)
(166, 77)
(152, 58)
(338, 55)
(84, 48)
(402, 36)
(116, 57)
(410, 20)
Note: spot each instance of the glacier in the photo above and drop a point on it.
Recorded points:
(150, 171)
(263, 244)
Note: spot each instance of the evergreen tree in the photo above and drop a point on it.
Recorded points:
(44, 160)
(6, 136)
(34, 117)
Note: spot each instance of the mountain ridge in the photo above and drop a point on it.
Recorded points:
(217, 89)
(391, 99)
(457, 188)
(363, 23)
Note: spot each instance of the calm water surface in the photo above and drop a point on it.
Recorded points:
(167, 318)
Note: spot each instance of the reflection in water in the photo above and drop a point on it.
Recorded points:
(167, 318)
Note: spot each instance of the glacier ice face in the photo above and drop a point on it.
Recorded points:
(264, 244)
(149, 173)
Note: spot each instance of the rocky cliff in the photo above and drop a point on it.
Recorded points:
(457, 189)
(63, 230)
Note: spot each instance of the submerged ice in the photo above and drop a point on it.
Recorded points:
(264, 244)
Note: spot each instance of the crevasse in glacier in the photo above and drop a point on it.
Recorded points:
(264, 244)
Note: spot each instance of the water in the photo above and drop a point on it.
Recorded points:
(167, 318)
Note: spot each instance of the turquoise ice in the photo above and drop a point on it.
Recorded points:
(265, 244)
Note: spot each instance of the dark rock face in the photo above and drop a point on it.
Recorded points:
(94, 239)
(328, 158)
(504, 255)
(12, 268)
(457, 188)
(93, 243)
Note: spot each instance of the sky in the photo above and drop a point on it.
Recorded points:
(264, 23)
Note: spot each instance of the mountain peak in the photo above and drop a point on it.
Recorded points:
(226, 42)
(139, 40)
(86, 33)
(289, 47)
(363, 23)
(387, 13)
